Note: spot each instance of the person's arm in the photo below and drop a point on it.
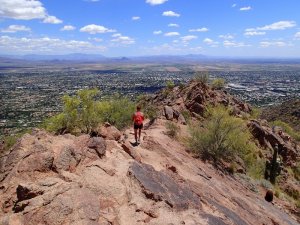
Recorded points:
(132, 118)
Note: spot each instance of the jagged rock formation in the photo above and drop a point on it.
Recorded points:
(195, 98)
(48, 179)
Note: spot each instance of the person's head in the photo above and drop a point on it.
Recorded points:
(138, 108)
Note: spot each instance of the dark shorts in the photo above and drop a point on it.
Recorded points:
(138, 126)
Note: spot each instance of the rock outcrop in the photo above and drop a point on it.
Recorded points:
(195, 98)
(46, 179)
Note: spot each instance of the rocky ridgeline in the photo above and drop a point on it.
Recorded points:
(66, 179)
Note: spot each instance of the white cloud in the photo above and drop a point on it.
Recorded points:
(156, 32)
(125, 40)
(22, 9)
(233, 5)
(52, 20)
(170, 13)
(46, 46)
(173, 25)
(228, 44)
(211, 42)
(188, 38)
(247, 8)
(266, 44)
(92, 0)
(95, 29)
(116, 35)
(297, 36)
(203, 29)
(254, 33)
(135, 18)
(96, 39)
(15, 28)
(170, 34)
(68, 28)
(226, 36)
(155, 2)
(281, 25)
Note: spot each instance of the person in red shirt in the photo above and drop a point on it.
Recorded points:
(138, 119)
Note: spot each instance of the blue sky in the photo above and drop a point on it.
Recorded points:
(235, 28)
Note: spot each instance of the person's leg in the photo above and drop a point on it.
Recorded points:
(140, 130)
(135, 134)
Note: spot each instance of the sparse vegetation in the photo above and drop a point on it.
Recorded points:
(172, 129)
(287, 128)
(218, 83)
(202, 76)
(221, 137)
(82, 113)
(170, 84)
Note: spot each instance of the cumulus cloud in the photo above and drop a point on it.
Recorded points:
(15, 28)
(125, 40)
(203, 29)
(188, 38)
(297, 36)
(171, 13)
(46, 46)
(173, 25)
(254, 33)
(68, 28)
(247, 8)
(210, 42)
(26, 10)
(95, 29)
(226, 36)
(22, 9)
(281, 25)
(52, 20)
(228, 44)
(170, 34)
(135, 18)
(156, 2)
(266, 44)
(156, 32)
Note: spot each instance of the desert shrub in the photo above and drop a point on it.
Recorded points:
(255, 167)
(201, 76)
(117, 111)
(287, 128)
(255, 112)
(218, 83)
(150, 112)
(170, 84)
(222, 136)
(172, 129)
(82, 113)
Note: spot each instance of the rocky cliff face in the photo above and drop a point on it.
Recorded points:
(48, 179)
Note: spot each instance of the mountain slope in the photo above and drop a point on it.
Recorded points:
(65, 179)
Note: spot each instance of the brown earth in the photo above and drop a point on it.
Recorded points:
(48, 179)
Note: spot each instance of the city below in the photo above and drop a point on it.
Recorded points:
(29, 94)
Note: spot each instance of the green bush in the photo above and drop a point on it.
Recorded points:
(201, 76)
(221, 137)
(172, 129)
(170, 84)
(82, 113)
(218, 83)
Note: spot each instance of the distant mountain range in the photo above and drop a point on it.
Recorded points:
(80, 57)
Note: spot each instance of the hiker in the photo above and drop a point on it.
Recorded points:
(137, 118)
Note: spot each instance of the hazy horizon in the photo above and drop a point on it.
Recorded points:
(134, 28)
